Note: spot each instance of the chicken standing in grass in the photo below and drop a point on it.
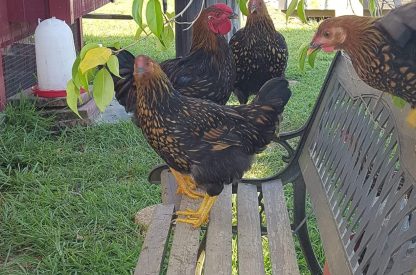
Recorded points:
(260, 52)
(204, 144)
(207, 72)
(382, 50)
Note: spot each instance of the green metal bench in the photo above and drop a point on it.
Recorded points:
(356, 158)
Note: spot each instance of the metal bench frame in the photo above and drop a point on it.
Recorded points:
(357, 160)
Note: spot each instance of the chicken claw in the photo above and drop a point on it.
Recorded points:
(199, 217)
(186, 185)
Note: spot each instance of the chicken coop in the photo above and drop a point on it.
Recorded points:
(18, 20)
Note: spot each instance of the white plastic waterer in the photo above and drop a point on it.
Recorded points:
(55, 54)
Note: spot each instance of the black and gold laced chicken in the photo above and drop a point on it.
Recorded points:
(207, 72)
(260, 52)
(382, 50)
(204, 144)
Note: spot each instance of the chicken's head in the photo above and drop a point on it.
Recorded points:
(218, 17)
(145, 69)
(257, 7)
(330, 36)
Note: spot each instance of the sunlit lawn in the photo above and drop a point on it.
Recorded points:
(67, 201)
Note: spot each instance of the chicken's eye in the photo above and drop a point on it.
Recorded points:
(326, 34)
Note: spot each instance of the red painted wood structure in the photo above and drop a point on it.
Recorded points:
(18, 19)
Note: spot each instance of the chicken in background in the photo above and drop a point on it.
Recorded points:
(260, 52)
(207, 72)
(204, 144)
(382, 50)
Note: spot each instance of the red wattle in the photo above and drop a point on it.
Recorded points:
(223, 28)
(328, 49)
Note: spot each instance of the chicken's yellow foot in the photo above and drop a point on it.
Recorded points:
(199, 217)
(186, 185)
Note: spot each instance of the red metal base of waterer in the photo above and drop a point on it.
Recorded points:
(51, 93)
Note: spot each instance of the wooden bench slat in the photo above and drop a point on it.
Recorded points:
(183, 255)
(219, 239)
(154, 243)
(169, 187)
(281, 244)
(250, 251)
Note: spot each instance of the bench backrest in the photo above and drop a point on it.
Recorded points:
(359, 165)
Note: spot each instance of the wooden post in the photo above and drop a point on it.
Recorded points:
(80, 36)
(183, 38)
(2, 85)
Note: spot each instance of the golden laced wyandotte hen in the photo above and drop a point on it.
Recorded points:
(260, 52)
(204, 144)
(382, 50)
(207, 72)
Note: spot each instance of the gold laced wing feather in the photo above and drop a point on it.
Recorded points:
(216, 128)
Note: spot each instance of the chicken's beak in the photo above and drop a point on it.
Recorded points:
(233, 16)
(313, 47)
(140, 71)
(252, 8)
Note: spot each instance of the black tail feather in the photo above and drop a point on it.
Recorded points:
(274, 92)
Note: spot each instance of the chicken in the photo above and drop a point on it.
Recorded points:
(204, 144)
(207, 72)
(260, 52)
(382, 50)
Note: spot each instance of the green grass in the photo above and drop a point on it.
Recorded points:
(68, 200)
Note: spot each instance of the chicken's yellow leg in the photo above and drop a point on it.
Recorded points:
(186, 185)
(199, 217)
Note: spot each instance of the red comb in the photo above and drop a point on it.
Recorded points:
(224, 7)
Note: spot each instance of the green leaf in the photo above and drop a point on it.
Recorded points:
(291, 9)
(170, 15)
(311, 58)
(117, 45)
(167, 36)
(140, 30)
(93, 58)
(301, 11)
(302, 56)
(113, 65)
(75, 70)
(72, 94)
(154, 17)
(243, 7)
(103, 89)
(75, 67)
(372, 7)
(84, 81)
(86, 48)
(137, 11)
(398, 102)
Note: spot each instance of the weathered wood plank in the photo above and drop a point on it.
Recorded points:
(250, 252)
(183, 256)
(151, 256)
(219, 250)
(281, 245)
(169, 187)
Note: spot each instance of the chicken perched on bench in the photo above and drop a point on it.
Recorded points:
(382, 50)
(204, 144)
(207, 72)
